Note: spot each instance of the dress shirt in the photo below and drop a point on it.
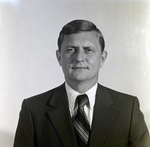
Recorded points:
(72, 95)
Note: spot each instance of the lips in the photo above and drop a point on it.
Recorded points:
(79, 67)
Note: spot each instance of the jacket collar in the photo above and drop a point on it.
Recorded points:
(59, 115)
(103, 118)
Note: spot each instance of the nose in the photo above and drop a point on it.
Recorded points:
(79, 57)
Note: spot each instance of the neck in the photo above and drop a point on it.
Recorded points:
(81, 86)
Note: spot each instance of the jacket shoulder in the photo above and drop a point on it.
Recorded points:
(120, 97)
(43, 97)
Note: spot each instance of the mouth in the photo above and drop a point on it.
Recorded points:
(79, 67)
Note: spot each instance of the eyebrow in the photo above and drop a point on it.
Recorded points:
(73, 46)
(84, 45)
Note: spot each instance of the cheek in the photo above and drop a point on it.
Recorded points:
(96, 67)
(95, 62)
(66, 65)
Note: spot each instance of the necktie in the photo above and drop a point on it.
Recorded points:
(80, 122)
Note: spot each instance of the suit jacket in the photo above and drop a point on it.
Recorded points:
(45, 121)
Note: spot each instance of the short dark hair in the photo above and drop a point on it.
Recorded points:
(77, 26)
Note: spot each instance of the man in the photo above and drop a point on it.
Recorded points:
(81, 112)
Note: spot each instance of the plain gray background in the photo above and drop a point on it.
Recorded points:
(28, 40)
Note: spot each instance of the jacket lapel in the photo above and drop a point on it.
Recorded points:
(103, 117)
(59, 115)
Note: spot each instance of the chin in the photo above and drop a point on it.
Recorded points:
(80, 79)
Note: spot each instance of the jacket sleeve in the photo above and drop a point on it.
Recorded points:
(25, 130)
(139, 135)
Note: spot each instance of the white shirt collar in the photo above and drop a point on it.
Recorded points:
(72, 94)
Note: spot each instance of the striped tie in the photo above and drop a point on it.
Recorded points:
(81, 124)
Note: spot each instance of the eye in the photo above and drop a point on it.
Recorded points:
(88, 50)
(70, 50)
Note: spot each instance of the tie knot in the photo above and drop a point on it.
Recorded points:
(82, 100)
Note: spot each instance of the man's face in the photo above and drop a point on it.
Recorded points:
(81, 57)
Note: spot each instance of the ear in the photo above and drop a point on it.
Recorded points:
(103, 57)
(58, 55)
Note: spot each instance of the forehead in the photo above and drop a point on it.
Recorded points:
(86, 38)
